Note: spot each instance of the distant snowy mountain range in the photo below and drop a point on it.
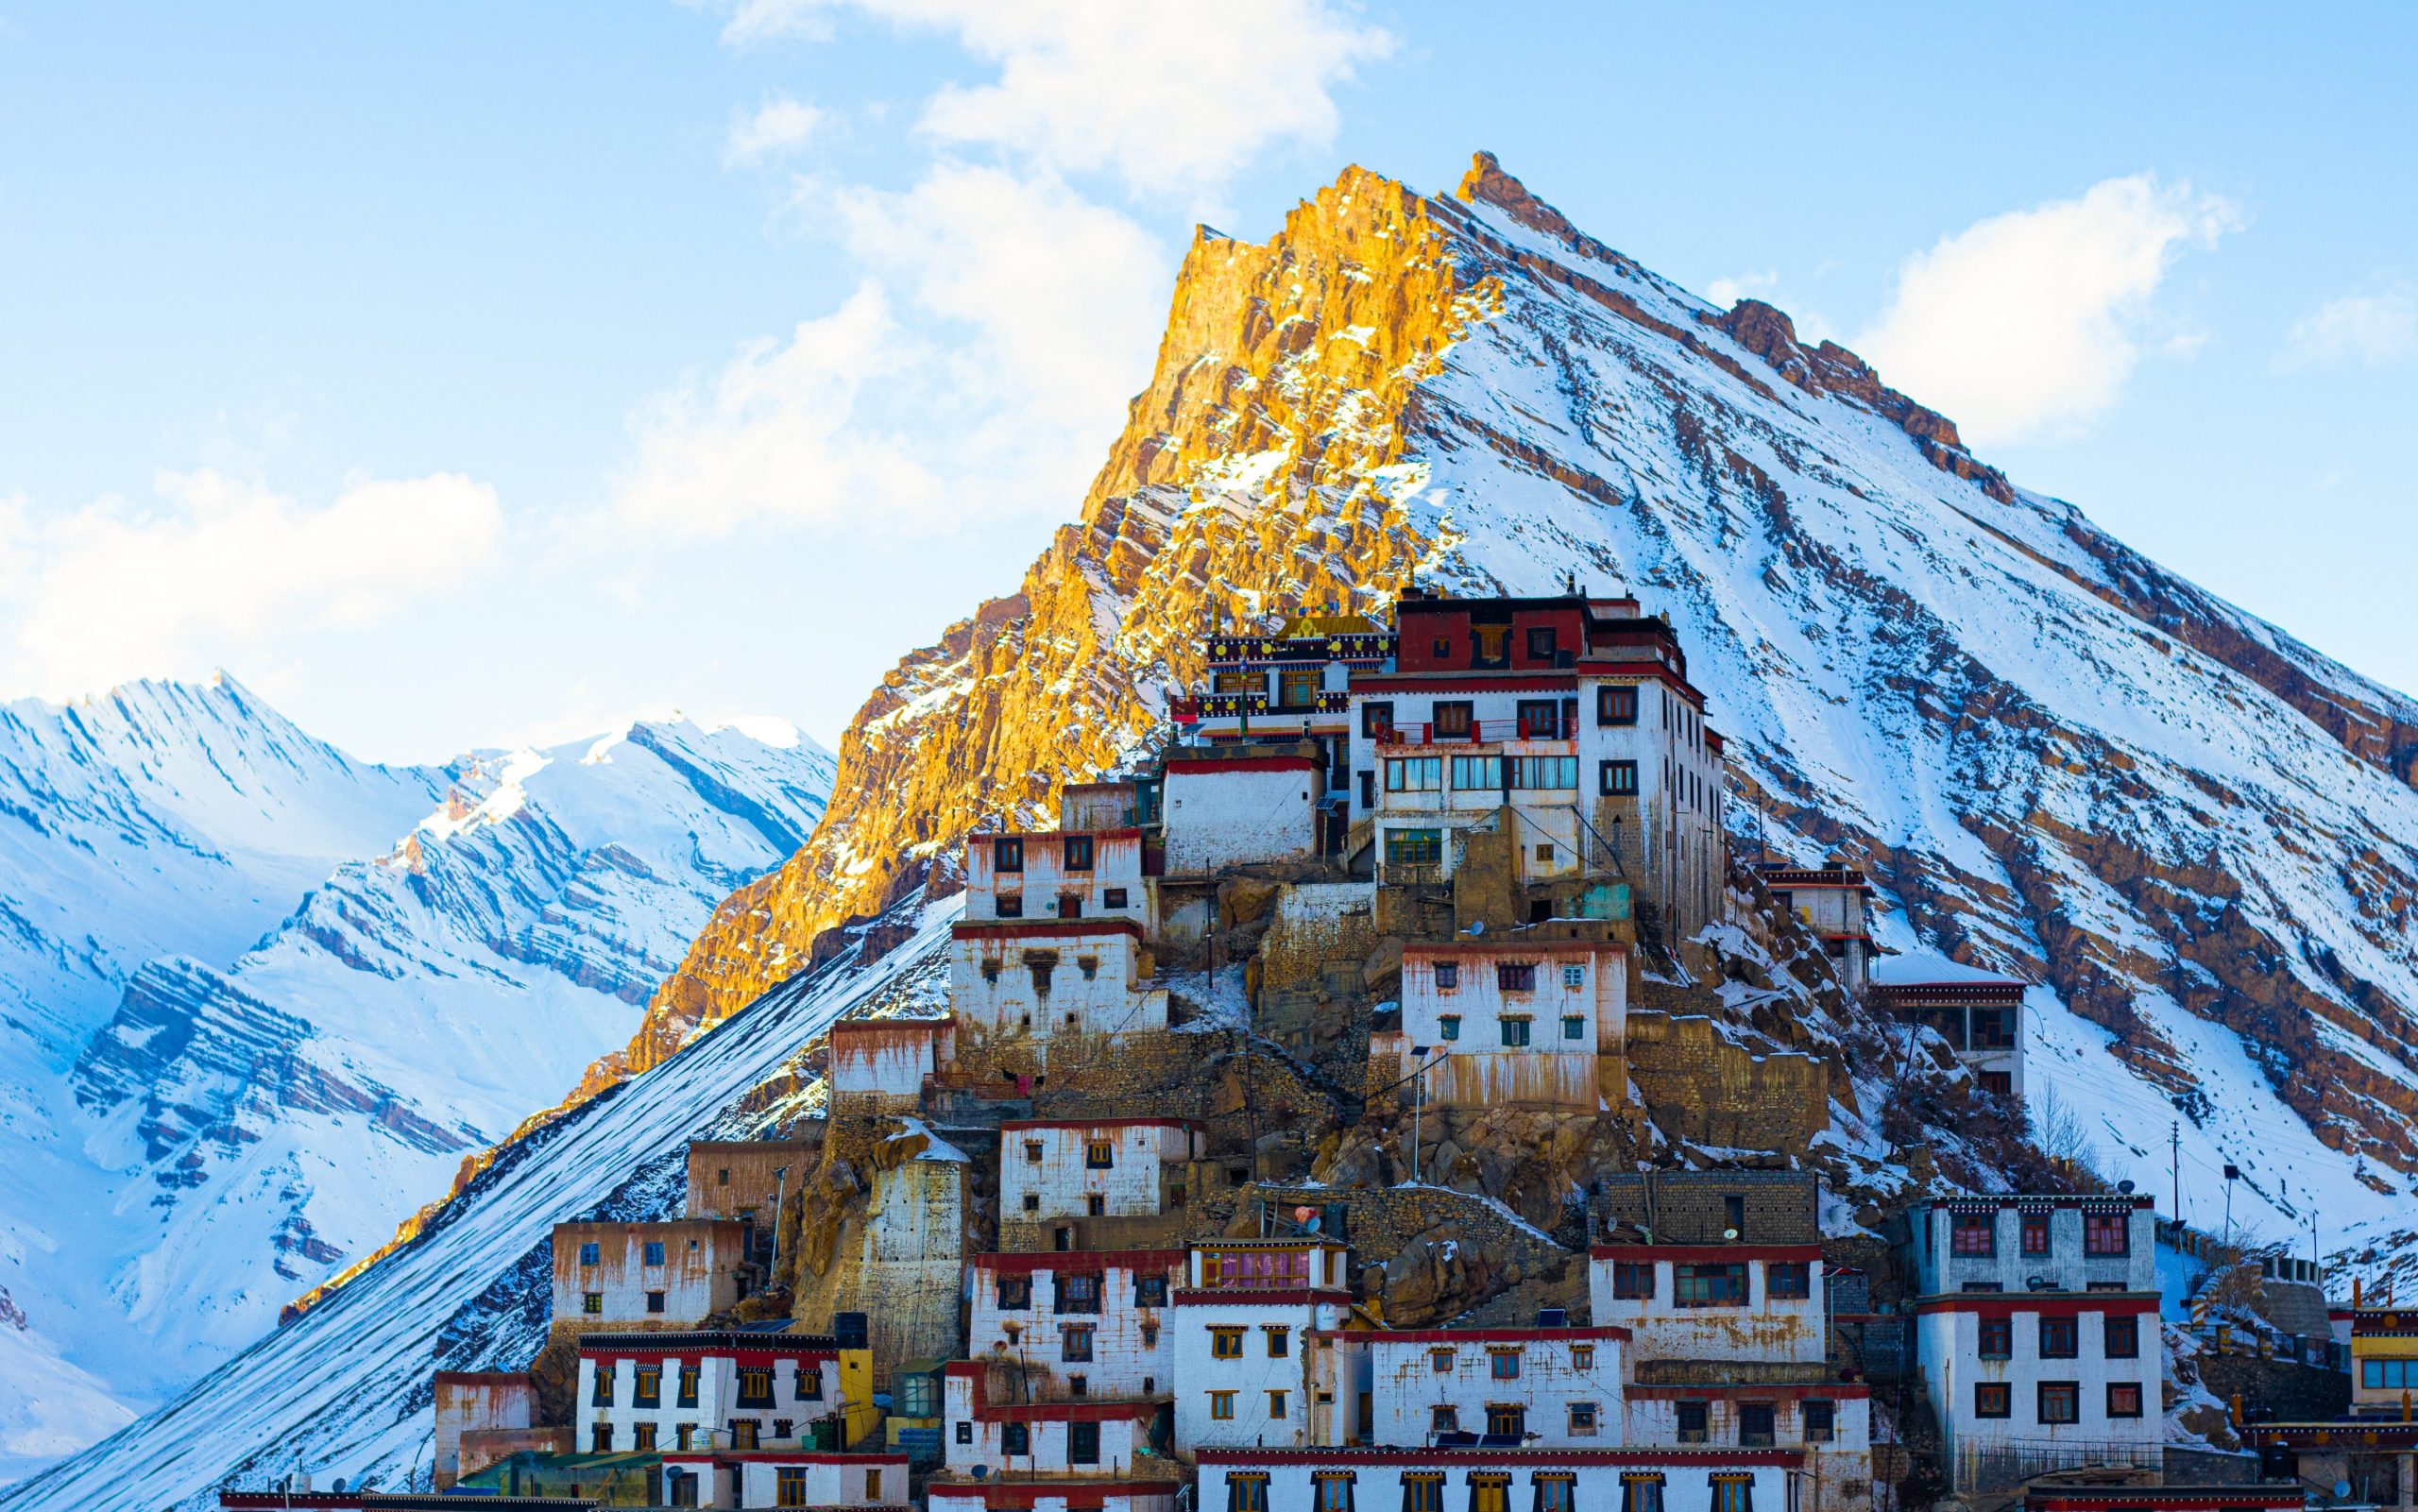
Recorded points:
(257, 999)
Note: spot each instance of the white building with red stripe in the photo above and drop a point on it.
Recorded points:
(1248, 807)
(1063, 873)
(702, 1390)
(1487, 1024)
(1048, 984)
(1077, 1325)
(1063, 1181)
(1461, 1480)
(993, 1494)
(1543, 1387)
(1722, 1301)
(879, 1065)
(786, 1478)
(1243, 1324)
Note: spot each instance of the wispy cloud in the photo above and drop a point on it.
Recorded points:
(2028, 324)
(217, 567)
(774, 129)
(2368, 329)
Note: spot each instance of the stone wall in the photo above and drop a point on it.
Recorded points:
(1698, 1085)
(1691, 1207)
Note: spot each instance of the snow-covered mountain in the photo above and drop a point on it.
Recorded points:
(255, 1029)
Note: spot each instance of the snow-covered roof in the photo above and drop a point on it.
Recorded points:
(1918, 969)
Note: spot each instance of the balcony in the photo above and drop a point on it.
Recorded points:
(1410, 873)
(1243, 706)
(1478, 732)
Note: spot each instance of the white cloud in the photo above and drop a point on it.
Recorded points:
(1727, 291)
(2368, 329)
(776, 129)
(1035, 311)
(1175, 98)
(223, 566)
(2028, 324)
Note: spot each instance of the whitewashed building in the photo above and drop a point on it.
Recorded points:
(1498, 1480)
(878, 1066)
(1242, 1321)
(1697, 1403)
(989, 1430)
(1286, 684)
(1075, 1326)
(1725, 1301)
(990, 1494)
(672, 1274)
(1979, 1013)
(1062, 873)
(1226, 811)
(1497, 1025)
(1081, 1184)
(785, 1478)
(1834, 904)
(2036, 1332)
(1544, 1388)
(1040, 982)
(734, 1389)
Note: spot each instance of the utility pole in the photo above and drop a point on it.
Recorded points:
(2232, 1171)
(2174, 1162)
(2312, 1241)
(1418, 1104)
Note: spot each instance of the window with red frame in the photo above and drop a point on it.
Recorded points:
(2036, 1233)
(1972, 1234)
(2107, 1233)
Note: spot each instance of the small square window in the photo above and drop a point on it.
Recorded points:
(590, 1252)
(1574, 978)
(2060, 1339)
(2060, 1401)
(2123, 1398)
(2123, 1337)
(1449, 1025)
(1515, 1031)
(1225, 1344)
(1821, 1421)
(1992, 1399)
(591, 1303)
(657, 1301)
(1582, 1419)
(1618, 780)
(1112, 897)
(1997, 1337)
(1443, 1419)
(1276, 1405)
(1788, 1278)
(1441, 1361)
(1221, 1405)
(1582, 1356)
(1573, 1027)
(1279, 1342)
(966, 1432)
(1504, 1365)
(1032, 1201)
(1099, 1154)
(653, 1252)
(1448, 976)
(1515, 977)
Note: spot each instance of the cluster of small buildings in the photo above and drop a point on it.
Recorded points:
(1521, 793)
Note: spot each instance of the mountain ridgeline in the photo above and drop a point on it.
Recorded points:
(2054, 756)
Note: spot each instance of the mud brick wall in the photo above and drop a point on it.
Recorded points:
(1691, 1207)
(1321, 929)
(2297, 1393)
(1699, 1086)
(1380, 1223)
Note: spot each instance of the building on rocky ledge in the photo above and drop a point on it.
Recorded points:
(1043, 987)
(1069, 1327)
(717, 1389)
(1096, 1183)
(880, 1065)
(478, 1403)
(1292, 682)
(674, 1274)
(745, 1180)
(1835, 901)
(1066, 874)
(1245, 1311)
(1513, 1022)
(1571, 719)
(1236, 807)
(2036, 1333)
(1979, 1013)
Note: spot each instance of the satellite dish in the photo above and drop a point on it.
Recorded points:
(982, 1472)
(1730, 1234)
(339, 1485)
(2342, 1489)
(2125, 1186)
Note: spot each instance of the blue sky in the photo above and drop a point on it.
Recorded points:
(458, 374)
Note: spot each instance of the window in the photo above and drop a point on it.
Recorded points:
(1422, 1493)
(1246, 1493)
(1515, 1032)
(1788, 1278)
(1641, 1493)
(1150, 1339)
(1279, 1342)
(1515, 977)
(1709, 1284)
(1583, 1419)
(1297, 688)
(654, 1253)
(1574, 978)
(1276, 1406)
(1617, 779)
(1477, 774)
(1981, 1286)
(2107, 1233)
(1733, 1494)
(806, 1384)
(600, 1439)
(1997, 1083)
(2060, 1339)
(1078, 1294)
(642, 1436)
(1450, 1025)
(688, 1397)
(1532, 772)
(1448, 976)
(1016, 1292)
(589, 1254)
(1414, 774)
(1453, 719)
(1756, 1424)
(2060, 1401)
(1098, 1155)
(1992, 1399)
(2105, 1286)
(1112, 897)
(1616, 706)
(1377, 718)
(1414, 847)
(1221, 1405)
(1489, 1491)
(1821, 1421)
(1016, 1439)
(1733, 1212)
(1540, 643)
(1007, 906)
(873, 1485)
(1502, 1365)
(1225, 1344)
(1507, 1419)
(1632, 1279)
(1443, 1419)
(1489, 645)
(966, 1432)
(744, 1432)
(789, 1487)
(1032, 1201)
(2121, 1339)
(2388, 1375)
(1075, 1343)
(1441, 1361)
(1972, 1234)
(1993, 1028)
(1082, 1443)
(1007, 853)
(657, 1301)
(1573, 1027)
(1582, 1356)
(2123, 1398)
(1693, 1420)
(1150, 1291)
(754, 1386)
(648, 1391)
(603, 1394)
(1998, 1338)
(1540, 718)
(2036, 1233)
(1330, 1491)
(1079, 852)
